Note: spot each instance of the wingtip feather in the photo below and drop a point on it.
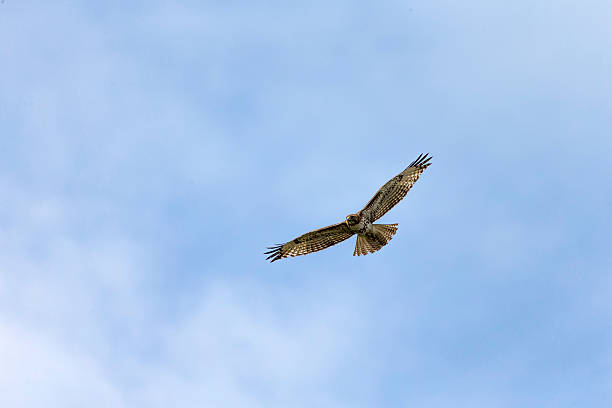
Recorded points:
(422, 161)
(274, 252)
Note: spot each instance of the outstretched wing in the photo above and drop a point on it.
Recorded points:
(312, 241)
(395, 189)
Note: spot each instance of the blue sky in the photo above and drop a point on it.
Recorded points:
(151, 151)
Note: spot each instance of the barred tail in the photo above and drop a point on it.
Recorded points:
(380, 236)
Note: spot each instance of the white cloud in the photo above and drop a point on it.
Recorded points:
(39, 372)
(243, 348)
(81, 324)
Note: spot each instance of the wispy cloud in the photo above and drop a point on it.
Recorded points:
(151, 152)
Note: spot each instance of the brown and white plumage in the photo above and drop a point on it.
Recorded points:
(395, 189)
(364, 246)
(312, 241)
(370, 237)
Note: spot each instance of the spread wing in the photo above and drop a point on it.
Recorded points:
(312, 241)
(395, 189)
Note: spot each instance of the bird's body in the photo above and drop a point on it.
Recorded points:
(370, 237)
(363, 224)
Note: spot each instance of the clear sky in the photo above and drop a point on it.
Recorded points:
(151, 150)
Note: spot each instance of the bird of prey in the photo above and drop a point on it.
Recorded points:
(370, 237)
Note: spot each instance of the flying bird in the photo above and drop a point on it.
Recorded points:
(370, 237)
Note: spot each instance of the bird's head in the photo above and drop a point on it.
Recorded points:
(352, 219)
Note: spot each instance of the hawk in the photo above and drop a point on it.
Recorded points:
(370, 237)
